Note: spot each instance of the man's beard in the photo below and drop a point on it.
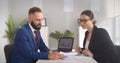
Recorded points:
(34, 26)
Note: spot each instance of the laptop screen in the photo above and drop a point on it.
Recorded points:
(65, 44)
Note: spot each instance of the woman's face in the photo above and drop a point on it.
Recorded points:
(85, 21)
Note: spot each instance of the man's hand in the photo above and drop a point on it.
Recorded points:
(55, 55)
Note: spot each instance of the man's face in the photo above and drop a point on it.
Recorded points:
(36, 20)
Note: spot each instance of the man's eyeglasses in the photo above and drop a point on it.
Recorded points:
(83, 20)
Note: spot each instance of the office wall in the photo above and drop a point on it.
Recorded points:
(57, 19)
(106, 17)
(53, 10)
(60, 20)
(117, 8)
(3, 18)
(19, 9)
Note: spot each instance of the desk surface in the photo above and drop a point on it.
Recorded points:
(82, 60)
(71, 58)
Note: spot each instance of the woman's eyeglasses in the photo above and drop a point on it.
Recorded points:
(83, 20)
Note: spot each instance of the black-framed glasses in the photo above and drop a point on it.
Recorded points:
(83, 20)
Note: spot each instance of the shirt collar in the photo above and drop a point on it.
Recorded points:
(31, 27)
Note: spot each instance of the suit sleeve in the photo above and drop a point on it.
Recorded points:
(104, 48)
(23, 46)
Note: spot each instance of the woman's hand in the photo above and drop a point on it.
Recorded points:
(87, 53)
(78, 49)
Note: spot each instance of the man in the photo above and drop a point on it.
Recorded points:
(28, 41)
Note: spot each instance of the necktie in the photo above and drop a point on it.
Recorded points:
(36, 37)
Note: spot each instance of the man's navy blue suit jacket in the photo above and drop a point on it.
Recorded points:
(25, 48)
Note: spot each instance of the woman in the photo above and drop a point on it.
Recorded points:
(97, 42)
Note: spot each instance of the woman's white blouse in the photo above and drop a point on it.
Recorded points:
(87, 44)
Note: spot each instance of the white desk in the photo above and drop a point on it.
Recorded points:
(71, 59)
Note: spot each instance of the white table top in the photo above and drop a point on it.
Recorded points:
(72, 57)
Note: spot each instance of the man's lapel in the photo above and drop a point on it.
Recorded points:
(31, 35)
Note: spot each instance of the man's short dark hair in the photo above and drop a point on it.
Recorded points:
(34, 9)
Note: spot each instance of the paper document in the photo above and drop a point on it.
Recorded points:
(71, 55)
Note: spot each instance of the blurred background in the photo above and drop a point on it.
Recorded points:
(61, 15)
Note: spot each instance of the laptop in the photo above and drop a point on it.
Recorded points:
(65, 44)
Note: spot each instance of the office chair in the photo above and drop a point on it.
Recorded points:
(8, 52)
(118, 52)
